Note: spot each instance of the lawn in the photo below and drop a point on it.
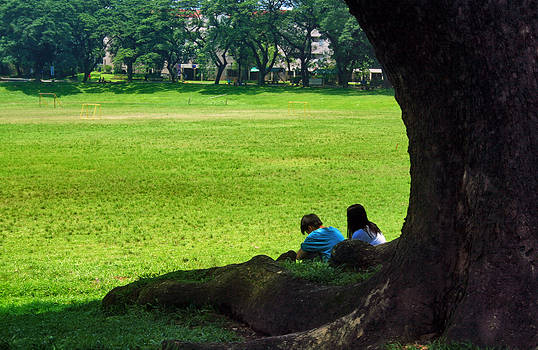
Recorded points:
(173, 176)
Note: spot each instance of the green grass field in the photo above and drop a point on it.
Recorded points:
(174, 176)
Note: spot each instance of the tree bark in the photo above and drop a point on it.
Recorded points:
(87, 71)
(465, 267)
(221, 65)
(465, 77)
(357, 255)
(38, 71)
(171, 70)
(344, 75)
(129, 65)
(261, 76)
(239, 75)
(220, 70)
(304, 72)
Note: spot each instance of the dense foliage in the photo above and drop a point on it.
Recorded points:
(35, 35)
(55, 38)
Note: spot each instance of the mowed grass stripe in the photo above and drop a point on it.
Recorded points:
(21, 101)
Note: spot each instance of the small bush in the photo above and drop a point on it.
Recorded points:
(321, 272)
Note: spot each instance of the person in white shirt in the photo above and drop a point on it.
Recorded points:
(359, 227)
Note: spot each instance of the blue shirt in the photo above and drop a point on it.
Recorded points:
(362, 235)
(322, 241)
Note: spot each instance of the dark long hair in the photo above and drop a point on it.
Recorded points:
(357, 219)
(310, 220)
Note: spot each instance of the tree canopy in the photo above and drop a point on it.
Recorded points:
(72, 36)
(349, 44)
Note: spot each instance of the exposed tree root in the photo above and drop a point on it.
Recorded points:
(259, 293)
(297, 313)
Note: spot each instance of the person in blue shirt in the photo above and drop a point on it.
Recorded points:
(359, 227)
(320, 240)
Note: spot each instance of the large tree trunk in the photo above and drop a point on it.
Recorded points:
(239, 73)
(465, 76)
(38, 71)
(344, 75)
(171, 70)
(261, 76)
(18, 69)
(87, 71)
(129, 65)
(305, 76)
(220, 70)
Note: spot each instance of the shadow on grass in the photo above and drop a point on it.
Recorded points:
(41, 325)
(63, 89)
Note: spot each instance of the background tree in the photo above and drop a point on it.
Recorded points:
(243, 58)
(165, 33)
(35, 33)
(150, 63)
(297, 28)
(124, 22)
(349, 44)
(88, 35)
(219, 34)
(263, 35)
(242, 54)
(5, 68)
(9, 52)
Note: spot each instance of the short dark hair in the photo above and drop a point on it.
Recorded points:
(310, 220)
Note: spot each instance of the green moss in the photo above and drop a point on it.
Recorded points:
(124, 297)
(321, 272)
(188, 276)
(440, 344)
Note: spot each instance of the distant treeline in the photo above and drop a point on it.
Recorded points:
(72, 36)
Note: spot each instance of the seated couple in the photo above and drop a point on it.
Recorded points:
(321, 239)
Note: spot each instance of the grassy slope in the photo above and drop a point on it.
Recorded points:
(173, 177)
